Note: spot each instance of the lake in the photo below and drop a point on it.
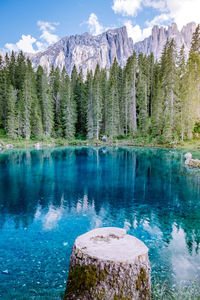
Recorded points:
(49, 197)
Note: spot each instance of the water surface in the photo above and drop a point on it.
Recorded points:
(49, 197)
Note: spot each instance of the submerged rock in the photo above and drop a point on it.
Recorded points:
(106, 264)
(9, 146)
(188, 155)
(104, 138)
(193, 163)
(38, 146)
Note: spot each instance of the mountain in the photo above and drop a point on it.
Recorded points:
(156, 41)
(86, 50)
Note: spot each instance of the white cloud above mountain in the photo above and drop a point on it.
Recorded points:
(127, 7)
(47, 37)
(94, 26)
(168, 11)
(29, 44)
(25, 44)
(136, 33)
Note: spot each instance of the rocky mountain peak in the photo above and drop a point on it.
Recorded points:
(156, 41)
(86, 51)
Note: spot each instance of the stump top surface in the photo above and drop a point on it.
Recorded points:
(111, 244)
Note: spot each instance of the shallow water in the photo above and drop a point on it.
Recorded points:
(49, 197)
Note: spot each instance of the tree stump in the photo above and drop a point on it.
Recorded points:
(108, 264)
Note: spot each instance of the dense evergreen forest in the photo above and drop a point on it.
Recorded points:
(145, 98)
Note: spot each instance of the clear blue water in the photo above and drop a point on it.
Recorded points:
(49, 197)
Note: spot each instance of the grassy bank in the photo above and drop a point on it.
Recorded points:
(137, 141)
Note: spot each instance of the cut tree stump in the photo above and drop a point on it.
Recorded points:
(106, 264)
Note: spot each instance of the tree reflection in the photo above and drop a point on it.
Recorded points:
(132, 185)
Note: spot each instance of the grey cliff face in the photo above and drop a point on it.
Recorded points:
(86, 51)
(156, 41)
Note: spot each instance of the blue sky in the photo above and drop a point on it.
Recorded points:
(32, 25)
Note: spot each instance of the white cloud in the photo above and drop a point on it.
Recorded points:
(94, 26)
(47, 36)
(184, 11)
(25, 44)
(168, 11)
(179, 11)
(136, 33)
(127, 7)
(162, 19)
(160, 5)
(29, 44)
(11, 47)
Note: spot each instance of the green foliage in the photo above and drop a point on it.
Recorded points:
(144, 100)
(11, 114)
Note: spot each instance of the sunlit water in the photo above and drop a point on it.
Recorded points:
(49, 197)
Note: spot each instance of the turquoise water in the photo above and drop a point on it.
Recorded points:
(49, 197)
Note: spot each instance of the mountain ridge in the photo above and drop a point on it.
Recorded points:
(156, 41)
(86, 51)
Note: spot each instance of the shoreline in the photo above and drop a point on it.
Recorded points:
(9, 144)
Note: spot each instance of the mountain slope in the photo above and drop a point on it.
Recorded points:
(85, 50)
(159, 36)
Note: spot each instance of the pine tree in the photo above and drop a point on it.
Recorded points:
(97, 104)
(11, 69)
(181, 107)
(168, 82)
(112, 104)
(104, 84)
(68, 107)
(193, 80)
(45, 100)
(80, 98)
(54, 81)
(142, 93)
(4, 86)
(11, 127)
(128, 107)
(24, 108)
(157, 105)
(90, 100)
(20, 71)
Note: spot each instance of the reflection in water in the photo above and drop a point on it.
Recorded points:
(49, 197)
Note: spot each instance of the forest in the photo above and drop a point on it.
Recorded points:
(160, 99)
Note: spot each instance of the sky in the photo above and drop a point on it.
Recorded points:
(33, 25)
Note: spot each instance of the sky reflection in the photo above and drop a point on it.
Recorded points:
(48, 198)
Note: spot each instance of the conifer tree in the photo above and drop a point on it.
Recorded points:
(157, 105)
(45, 100)
(4, 86)
(54, 81)
(193, 80)
(104, 84)
(80, 98)
(181, 107)
(112, 104)
(90, 101)
(142, 93)
(24, 108)
(97, 104)
(68, 107)
(129, 96)
(11, 127)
